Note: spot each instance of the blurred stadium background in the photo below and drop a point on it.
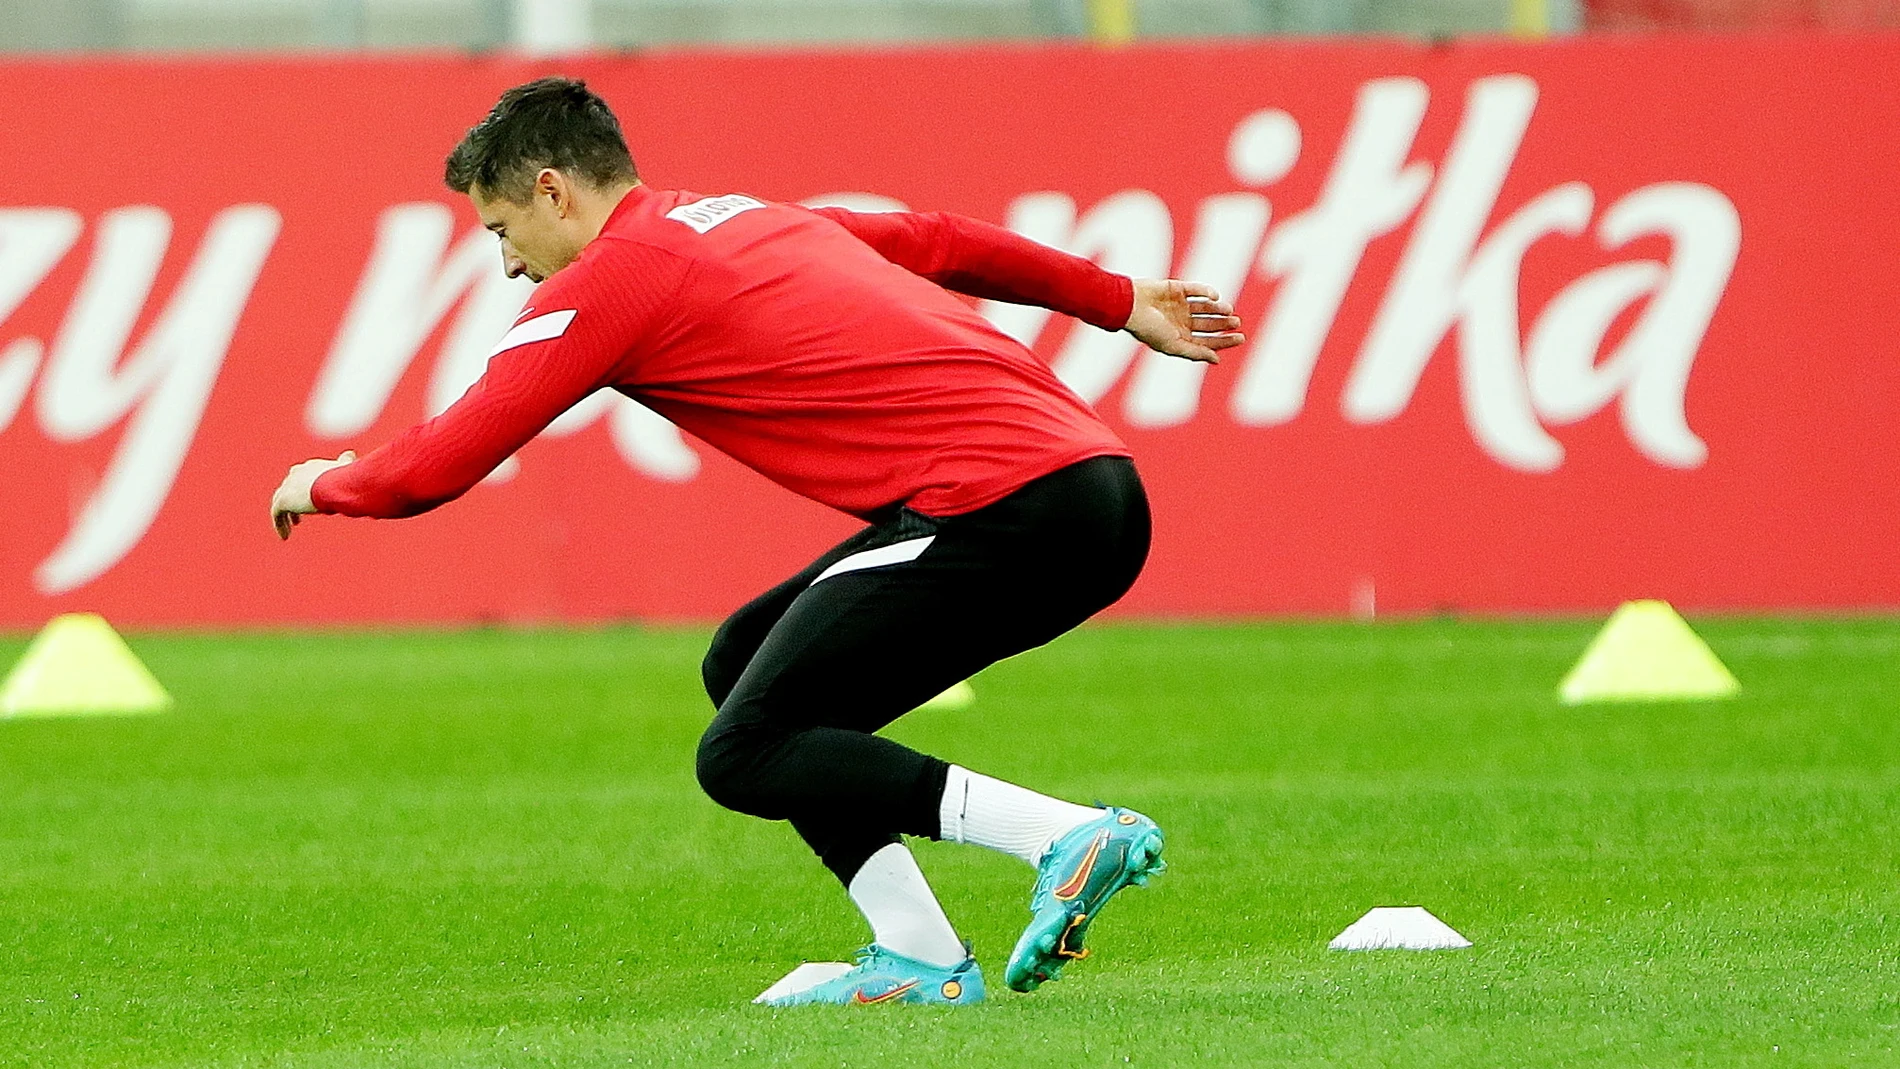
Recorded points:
(207, 25)
(619, 24)
(1555, 304)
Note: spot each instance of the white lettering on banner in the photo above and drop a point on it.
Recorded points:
(1166, 391)
(1131, 233)
(1448, 277)
(86, 386)
(412, 282)
(1431, 287)
(1370, 191)
(1652, 365)
(1452, 274)
(32, 242)
(645, 439)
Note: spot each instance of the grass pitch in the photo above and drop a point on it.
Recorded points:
(486, 849)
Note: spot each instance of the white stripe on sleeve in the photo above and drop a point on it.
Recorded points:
(540, 328)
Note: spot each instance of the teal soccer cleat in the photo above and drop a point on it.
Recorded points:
(1077, 877)
(886, 976)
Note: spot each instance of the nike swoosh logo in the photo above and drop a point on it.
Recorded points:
(1080, 877)
(859, 998)
(525, 313)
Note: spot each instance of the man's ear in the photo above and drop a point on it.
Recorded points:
(552, 184)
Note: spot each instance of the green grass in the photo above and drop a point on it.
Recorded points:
(486, 849)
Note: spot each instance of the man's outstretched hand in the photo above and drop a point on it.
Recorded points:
(291, 502)
(1184, 319)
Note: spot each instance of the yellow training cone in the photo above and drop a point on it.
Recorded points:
(1646, 653)
(79, 666)
(961, 696)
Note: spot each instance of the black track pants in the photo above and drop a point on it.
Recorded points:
(893, 616)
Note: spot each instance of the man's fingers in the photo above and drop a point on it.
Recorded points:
(1192, 350)
(281, 520)
(1185, 319)
(1213, 323)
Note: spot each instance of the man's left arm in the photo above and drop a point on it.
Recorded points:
(590, 323)
(1182, 318)
(436, 461)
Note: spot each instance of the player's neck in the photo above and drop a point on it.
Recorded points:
(596, 206)
(589, 209)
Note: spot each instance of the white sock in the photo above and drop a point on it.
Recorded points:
(984, 811)
(904, 914)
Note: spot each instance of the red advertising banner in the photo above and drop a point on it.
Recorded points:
(1533, 326)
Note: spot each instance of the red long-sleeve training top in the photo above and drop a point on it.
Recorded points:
(817, 347)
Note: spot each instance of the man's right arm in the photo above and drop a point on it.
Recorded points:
(1180, 318)
(984, 260)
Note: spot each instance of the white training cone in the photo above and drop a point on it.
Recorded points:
(804, 978)
(1398, 928)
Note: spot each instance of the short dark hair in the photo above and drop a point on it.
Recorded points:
(549, 122)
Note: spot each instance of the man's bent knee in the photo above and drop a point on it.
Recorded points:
(725, 661)
(719, 674)
(727, 766)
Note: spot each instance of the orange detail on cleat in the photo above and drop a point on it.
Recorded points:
(1080, 877)
(858, 996)
(1062, 946)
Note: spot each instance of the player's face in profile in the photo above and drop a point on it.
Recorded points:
(533, 241)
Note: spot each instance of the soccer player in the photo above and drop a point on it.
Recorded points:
(821, 349)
